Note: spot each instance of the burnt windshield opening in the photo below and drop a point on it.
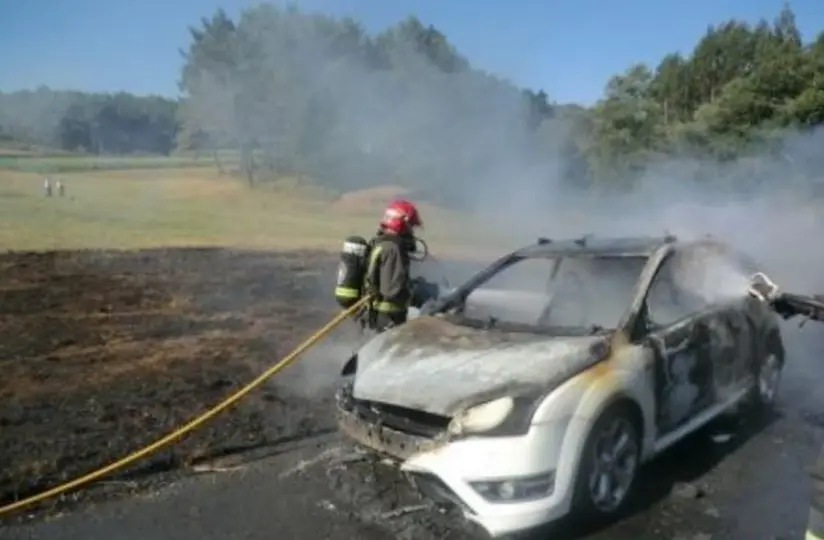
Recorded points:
(572, 294)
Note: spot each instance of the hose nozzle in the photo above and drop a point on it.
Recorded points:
(762, 287)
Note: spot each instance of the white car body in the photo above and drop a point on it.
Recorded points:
(440, 369)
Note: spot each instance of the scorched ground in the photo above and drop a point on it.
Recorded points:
(104, 351)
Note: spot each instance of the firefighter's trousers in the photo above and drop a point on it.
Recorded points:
(815, 523)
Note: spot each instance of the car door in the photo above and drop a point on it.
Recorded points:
(680, 332)
(682, 371)
(733, 336)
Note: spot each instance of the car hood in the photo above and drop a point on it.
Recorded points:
(433, 365)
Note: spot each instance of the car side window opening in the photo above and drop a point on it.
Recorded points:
(592, 292)
(517, 294)
(670, 297)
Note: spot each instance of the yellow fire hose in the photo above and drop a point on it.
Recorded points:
(192, 424)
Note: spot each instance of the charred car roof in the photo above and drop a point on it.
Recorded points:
(606, 247)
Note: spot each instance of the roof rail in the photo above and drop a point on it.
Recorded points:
(583, 240)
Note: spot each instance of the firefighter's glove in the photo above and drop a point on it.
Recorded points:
(423, 291)
(784, 308)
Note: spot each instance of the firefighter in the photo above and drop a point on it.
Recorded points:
(387, 276)
(789, 305)
(811, 307)
(815, 521)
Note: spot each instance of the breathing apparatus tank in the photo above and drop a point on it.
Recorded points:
(351, 271)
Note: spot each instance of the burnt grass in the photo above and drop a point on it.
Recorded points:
(102, 352)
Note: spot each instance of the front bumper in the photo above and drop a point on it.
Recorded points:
(384, 440)
(442, 468)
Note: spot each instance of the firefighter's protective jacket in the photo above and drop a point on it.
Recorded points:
(388, 274)
(790, 305)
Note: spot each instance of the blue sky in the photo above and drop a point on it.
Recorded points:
(567, 47)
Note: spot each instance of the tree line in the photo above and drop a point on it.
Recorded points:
(742, 88)
(94, 123)
(308, 94)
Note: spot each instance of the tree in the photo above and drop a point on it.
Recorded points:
(317, 96)
(628, 123)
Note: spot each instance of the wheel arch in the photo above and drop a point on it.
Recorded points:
(774, 344)
(620, 400)
(576, 444)
(623, 400)
(624, 394)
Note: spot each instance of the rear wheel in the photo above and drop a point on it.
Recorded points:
(609, 465)
(767, 382)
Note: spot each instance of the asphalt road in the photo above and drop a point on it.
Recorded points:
(753, 486)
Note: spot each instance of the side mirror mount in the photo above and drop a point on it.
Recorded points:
(350, 367)
(641, 325)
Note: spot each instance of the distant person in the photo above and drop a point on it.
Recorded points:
(47, 187)
(61, 188)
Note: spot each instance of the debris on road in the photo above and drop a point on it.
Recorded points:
(398, 512)
(327, 505)
(688, 491)
(721, 438)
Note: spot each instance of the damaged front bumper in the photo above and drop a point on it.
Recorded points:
(459, 474)
(368, 428)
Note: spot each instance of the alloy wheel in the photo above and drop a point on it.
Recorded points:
(615, 462)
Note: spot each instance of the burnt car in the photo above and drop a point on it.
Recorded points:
(539, 386)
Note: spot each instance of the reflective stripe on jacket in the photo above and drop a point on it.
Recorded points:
(346, 292)
(815, 521)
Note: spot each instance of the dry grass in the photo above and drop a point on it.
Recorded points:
(368, 199)
(140, 208)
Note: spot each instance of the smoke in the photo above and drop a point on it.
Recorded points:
(394, 115)
(387, 115)
(460, 137)
(318, 371)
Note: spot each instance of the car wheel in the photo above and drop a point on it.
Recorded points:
(767, 382)
(609, 465)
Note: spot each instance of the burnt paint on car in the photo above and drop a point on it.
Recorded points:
(692, 370)
(437, 332)
(450, 366)
(711, 355)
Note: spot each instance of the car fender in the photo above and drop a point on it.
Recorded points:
(582, 399)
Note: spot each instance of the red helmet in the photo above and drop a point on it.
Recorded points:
(400, 216)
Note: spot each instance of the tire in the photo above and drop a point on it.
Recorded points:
(619, 420)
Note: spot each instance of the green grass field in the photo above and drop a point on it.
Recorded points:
(165, 203)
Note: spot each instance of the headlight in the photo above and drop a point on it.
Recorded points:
(482, 417)
(516, 489)
(508, 416)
